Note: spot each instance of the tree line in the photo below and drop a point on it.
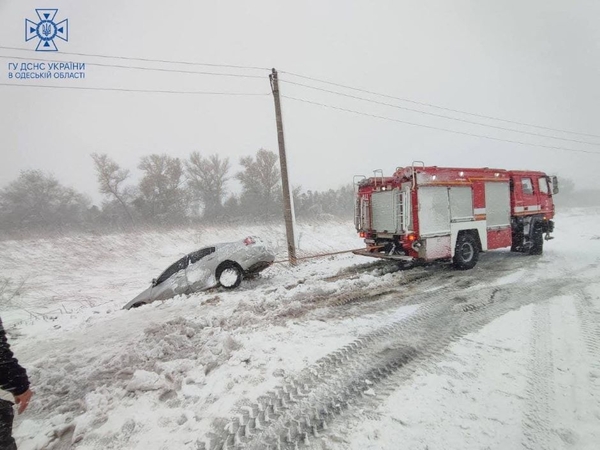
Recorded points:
(171, 191)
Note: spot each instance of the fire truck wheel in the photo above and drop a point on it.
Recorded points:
(466, 253)
(537, 247)
(517, 242)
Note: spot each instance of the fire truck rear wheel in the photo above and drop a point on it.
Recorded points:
(466, 253)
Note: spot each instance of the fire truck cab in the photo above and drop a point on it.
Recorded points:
(445, 213)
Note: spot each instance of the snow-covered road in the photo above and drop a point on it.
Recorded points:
(338, 353)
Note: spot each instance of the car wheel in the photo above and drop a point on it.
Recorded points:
(229, 275)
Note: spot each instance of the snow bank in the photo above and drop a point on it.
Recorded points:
(164, 375)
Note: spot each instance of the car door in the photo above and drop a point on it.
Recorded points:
(199, 272)
(172, 281)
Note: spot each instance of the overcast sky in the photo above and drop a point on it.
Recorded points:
(534, 61)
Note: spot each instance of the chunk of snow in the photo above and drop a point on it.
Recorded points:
(143, 380)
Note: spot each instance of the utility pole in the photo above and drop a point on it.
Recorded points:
(285, 182)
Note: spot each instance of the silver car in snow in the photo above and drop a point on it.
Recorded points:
(218, 265)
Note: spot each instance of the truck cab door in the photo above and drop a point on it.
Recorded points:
(526, 195)
(545, 194)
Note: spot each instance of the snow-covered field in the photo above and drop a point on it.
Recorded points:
(338, 353)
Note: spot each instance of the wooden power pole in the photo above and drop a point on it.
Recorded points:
(285, 182)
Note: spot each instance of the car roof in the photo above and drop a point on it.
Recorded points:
(216, 246)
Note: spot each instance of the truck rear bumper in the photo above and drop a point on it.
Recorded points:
(383, 255)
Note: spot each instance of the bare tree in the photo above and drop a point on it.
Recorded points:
(162, 197)
(111, 178)
(325, 204)
(260, 182)
(231, 208)
(207, 178)
(38, 200)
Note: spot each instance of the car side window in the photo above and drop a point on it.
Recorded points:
(197, 256)
(527, 186)
(172, 270)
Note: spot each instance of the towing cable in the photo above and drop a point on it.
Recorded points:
(319, 255)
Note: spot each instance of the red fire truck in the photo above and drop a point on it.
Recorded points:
(445, 213)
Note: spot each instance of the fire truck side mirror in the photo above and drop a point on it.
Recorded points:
(554, 181)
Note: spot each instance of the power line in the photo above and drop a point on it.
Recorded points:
(128, 58)
(431, 105)
(155, 69)
(439, 115)
(439, 128)
(191, 63)
(154, 91)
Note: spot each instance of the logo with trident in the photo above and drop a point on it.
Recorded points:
(46, 30)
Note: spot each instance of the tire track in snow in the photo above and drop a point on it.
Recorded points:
(306, 406)
(537, 424)
(414, 283)
(589, 318)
